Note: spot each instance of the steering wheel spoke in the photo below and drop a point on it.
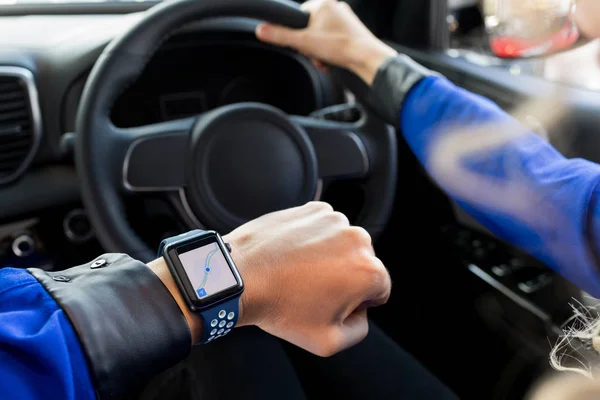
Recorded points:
(341, 148)
(154, 160)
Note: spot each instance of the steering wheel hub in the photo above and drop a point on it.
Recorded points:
(247, 160)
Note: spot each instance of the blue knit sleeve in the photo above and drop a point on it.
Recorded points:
(511, 180)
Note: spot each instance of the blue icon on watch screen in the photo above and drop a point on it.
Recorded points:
(201, 292)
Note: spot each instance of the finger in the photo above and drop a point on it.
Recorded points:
(324, 69)
(314, 4)
(341, 336)
(321, 66)
(279, 35)
(381, 286)
(314, 208)
(364, 243)
(354, 329)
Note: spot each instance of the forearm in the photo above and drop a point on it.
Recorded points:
(519, 187)
(515, 183)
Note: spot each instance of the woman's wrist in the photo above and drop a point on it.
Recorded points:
(255, 298)
(247, 315)
(366, 57)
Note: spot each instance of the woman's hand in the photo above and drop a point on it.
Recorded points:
(334, 36)
(587, 17)
(309, 277)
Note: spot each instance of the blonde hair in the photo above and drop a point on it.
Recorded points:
(579, 343)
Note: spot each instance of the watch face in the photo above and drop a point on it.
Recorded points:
(206, 270)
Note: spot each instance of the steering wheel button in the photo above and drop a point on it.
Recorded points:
(230, 315)
(214, 323)
(222, 314)
(222, 324)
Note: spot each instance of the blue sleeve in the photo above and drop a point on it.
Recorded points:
(511, 180)
(40, 355)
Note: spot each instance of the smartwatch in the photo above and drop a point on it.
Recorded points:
(207, 277)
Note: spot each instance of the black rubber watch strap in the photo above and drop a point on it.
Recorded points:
(394, 79)
(128, 323)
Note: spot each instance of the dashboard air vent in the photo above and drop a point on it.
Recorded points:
(19, 121)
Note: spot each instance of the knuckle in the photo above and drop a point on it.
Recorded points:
(336, 217)
(378, 274)
(320, 206)
(325, 351)
(330, 344)
(385, 288)
(359, 236)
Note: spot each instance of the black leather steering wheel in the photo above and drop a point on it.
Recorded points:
(229, 165)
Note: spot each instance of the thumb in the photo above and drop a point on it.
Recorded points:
(278, 35)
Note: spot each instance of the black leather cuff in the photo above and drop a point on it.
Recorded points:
(394, 79)
(129, 325)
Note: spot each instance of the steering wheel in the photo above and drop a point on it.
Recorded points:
(229, 165)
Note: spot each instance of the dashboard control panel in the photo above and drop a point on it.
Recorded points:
(519, 277)
(21, 246)
(56, 239)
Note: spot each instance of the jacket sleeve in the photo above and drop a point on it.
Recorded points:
(101, 329)
(511, 180)
(40, 355)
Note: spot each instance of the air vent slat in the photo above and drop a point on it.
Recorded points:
(10, 155)
(12, 129)
(14, 164)
(12, 95)
(13, 115)
(9, 86)
(12, 105)
(23, 138)
(23, 145)
(17, 135)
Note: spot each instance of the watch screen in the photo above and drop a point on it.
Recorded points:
(207, 270)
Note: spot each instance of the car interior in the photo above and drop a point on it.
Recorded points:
(480, 314)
